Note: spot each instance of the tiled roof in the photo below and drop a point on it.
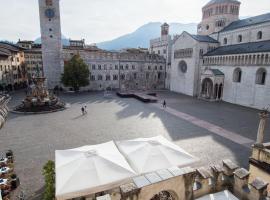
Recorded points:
(248, 22)
(11, 47)
(217, 72)
(204, 38)
(4, 52)
(221, 1)
(252, 47)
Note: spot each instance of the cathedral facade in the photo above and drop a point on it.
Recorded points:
(228, 59)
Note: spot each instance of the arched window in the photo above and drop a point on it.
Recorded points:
(240, 38)
(261, 76)
(259, 35)
(237, 75)
(225, 41)
(49, 3)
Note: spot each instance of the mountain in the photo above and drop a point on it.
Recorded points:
(142, 36)
(65, 41)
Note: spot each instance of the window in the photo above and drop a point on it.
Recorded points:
(261, 76)
(122, 76)
(237, 75)
(240, 38)
(126, 67)
(121, 67)
(49, 3)
(93, 67)
(100, 77)
(135, 75)
(259, 35)
(149, 67)
(108, 77)
(99, 67)
(158, 52)
(147, 75)
(115, 77)
(207, 27)
(225, 41)
(182, 66)
(51, 36)
(164, 51)
(159, 76)
(133, 67)
(50, 29)
(93, 77)
(160, 67)
(155, 67)
(116, 67)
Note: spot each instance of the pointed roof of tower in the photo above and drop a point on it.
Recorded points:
(221, 1)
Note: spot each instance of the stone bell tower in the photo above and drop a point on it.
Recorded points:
(50, 27)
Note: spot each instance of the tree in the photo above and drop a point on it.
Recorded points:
(49, 176)
(76, 73)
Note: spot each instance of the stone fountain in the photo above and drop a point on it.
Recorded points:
(38, 99)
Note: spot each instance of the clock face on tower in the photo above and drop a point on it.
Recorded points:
(49, 13)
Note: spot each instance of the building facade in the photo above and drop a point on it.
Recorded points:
(129, 69)
(32, 58)
(12, 67)
(163, 47)
(228, 59)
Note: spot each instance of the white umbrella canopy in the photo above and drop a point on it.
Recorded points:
(223, 195)
(89, 169)
(151, 154)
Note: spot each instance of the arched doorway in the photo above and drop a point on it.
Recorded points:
(220, 91)
(216, 91)
(164, 195)
(207, 88)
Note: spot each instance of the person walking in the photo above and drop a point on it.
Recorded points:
(164, 104)
(83, 111)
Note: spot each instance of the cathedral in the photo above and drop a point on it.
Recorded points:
(228, 59)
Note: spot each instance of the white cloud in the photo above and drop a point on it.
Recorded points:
(99, 20)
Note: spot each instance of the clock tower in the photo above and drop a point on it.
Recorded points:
(50, 28)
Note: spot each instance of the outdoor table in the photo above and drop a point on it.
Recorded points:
(4, 170)
(3, 181)
(3, 161)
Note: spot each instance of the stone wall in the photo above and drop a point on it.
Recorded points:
(189, 184)
(246, 92)
(249, 34)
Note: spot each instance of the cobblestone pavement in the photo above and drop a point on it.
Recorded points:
(34, 138)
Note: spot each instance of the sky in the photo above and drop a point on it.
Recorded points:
(102, 20)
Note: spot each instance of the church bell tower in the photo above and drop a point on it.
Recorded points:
(50, 28)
